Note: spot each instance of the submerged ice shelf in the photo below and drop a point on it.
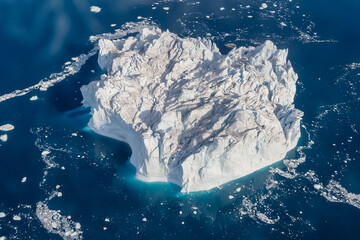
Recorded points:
(193, 116)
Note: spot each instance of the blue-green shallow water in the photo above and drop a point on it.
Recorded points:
(98, 182)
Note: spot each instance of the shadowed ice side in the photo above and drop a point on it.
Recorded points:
(193, 116)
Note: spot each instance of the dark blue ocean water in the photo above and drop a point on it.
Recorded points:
(97, 181)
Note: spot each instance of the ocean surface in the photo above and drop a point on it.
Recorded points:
(59, 180)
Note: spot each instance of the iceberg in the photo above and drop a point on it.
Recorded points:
(191, 115)
(7, 127)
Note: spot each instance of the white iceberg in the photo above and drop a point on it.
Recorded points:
(7, 127)
(4, 137)
(193, 116)
(95, 9)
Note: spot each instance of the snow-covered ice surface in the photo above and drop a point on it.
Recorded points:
(193, 116)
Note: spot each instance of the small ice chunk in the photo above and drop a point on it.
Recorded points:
(16, 218)
(23, 179)
(231, 197)
(2, 238)
(222, 9)
(144, 220)
(4, 137)
(46, 152)
(7, 127)
(250, 16)
(317, 186)
(263, 6)
(113, 25)
(57, 186)
(238, 189)
(2, 214)
(34, 98)
(95, 9)
(59, 194)
(230, 45)
(74, 134)
(283, 24)
(77, 226)
(180, 212)
(166, 8)
(54, 225)
(107, 220)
